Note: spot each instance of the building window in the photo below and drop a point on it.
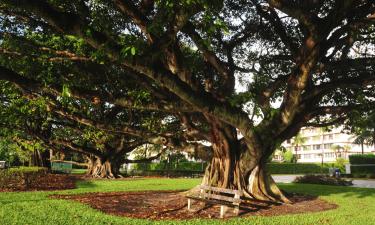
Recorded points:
(327, 146)
(329, 155)
(331, 137)
(288, 141)
(306, 147)
(316, 147)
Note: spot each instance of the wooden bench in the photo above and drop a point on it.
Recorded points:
(215, 195)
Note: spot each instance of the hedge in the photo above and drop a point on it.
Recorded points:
(273, 168)
(182, 166)
(20, 178)
(299, 168)
(368, 169)
(362, 159)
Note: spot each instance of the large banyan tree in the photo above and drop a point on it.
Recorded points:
(246, 75)
(34, 116)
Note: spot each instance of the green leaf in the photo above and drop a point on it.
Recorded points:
(65, 92)
(133, 51)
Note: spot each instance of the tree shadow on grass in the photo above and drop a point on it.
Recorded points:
(86, 184)
(328, 190)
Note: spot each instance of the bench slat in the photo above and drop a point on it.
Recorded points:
(215, 201)
(220, 197)
(222, 190)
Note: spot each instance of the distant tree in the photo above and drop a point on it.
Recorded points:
(33, 125)
(362, 125)
(288, 156)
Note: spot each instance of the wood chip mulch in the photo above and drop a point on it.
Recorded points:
(48, 182)
(161, 205)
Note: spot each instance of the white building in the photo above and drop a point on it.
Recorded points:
(317, 146)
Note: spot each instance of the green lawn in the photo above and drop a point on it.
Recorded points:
(356, 206)
(79, 171)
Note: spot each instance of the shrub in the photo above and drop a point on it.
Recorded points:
(340, 164)
(362, 159)
(322, 179)
(288, 156)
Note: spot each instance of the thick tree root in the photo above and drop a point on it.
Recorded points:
(261, 186)
(102, 170)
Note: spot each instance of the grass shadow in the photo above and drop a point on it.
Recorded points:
(328, 190)
(86, 184)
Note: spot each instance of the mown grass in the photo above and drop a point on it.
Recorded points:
(356, 205)
(79, 171)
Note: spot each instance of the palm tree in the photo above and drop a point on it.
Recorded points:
(364, 129)
(298, 140)
(336, 149)
(321, 133)
(346, 149)
(365, 137)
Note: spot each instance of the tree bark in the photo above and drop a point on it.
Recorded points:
(103, 167)
(239, 166)
(40, 159)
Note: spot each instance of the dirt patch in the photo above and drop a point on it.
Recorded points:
(47, 182)
(173, 205)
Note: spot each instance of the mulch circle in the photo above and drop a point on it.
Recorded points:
(161, 205)
(47, 182)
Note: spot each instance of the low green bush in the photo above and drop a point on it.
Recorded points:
(297, 168)
(20, 178)
(182, 166)
(322, 179)
(340, 164)
(362, 159)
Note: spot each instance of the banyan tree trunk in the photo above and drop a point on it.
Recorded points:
(236, 167)
(40, 159)
(103, 168)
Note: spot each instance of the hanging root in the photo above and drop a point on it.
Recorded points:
(262, 187)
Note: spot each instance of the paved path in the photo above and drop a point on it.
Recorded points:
(364, 183)
(356, 183)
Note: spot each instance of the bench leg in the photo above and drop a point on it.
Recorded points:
(236, 210)
(189, 204)
(223, 209)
